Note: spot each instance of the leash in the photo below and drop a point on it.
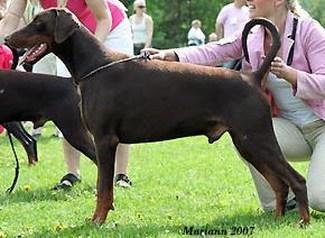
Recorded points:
(144, 55)
(14, 182)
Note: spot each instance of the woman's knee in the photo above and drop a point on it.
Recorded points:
(291, 140)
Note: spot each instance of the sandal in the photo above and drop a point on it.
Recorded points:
(291, 205)
(67, 181)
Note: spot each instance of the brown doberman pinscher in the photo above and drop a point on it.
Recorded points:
(39, 98)
(140, 101)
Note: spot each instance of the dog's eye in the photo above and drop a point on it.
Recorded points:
(37, 22)
(40, 27)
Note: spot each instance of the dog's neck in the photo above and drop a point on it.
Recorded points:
(81, 53)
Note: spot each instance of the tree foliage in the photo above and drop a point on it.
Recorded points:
(315, 8)
(172, 18)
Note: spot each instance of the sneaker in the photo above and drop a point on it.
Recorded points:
(36, 136)
(36, 133)
(57, 134)
(67, 181)
(122, 181)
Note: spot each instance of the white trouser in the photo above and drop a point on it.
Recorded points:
(298, 144)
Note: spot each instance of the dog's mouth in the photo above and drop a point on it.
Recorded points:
(34, 53)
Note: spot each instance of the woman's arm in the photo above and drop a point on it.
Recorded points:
(220, 21)
(149, 31)
(103, 17)
(12, 17)
(214, 53)
(219, 30)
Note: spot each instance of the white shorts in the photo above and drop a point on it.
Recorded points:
(120, 39)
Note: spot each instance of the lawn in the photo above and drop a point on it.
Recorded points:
(180, 185)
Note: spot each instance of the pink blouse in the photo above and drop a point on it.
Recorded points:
(84, 14)
(308, 57)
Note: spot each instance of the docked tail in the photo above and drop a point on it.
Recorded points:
(276, 44)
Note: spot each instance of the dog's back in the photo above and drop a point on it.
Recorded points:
(24, 95)
(40, 98)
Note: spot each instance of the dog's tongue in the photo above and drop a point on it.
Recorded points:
(32, 53)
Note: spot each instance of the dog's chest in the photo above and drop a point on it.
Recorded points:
(80, 105)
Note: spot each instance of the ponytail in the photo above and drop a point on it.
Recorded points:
(295, 7)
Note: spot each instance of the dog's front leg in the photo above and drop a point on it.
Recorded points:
(105, 152)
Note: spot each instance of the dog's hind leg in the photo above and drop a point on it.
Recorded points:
(258, 160)
(263, 152)
(105, 152)
(28, 142)
(298, 186)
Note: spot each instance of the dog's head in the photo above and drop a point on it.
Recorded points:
(48, 29)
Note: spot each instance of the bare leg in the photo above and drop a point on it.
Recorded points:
(72, 158)
(122, 159)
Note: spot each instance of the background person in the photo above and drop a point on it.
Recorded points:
(231, 20)
(195, 36)
(142, 27)
(212, 37)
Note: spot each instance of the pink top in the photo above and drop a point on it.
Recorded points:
(6, 60)
(232, 18)
(6, 57)
(309, 55)
(84, 14)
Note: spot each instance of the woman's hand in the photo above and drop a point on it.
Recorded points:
(281, 70)
(167, 55)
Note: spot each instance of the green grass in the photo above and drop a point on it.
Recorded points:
(178, 183)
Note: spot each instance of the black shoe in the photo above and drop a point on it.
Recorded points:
(36, 136)
(123, 181)
(291, 205)
(67, 181)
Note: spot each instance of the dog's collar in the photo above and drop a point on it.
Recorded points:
(144, 55)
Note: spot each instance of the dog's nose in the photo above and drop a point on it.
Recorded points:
(5, 39)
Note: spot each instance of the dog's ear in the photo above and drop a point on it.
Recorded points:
(65, 25)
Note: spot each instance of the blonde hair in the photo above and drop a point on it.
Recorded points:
(196, 22)
(295, 7)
